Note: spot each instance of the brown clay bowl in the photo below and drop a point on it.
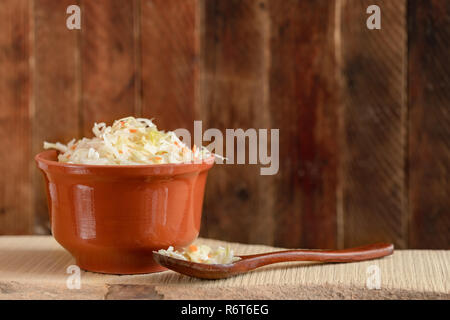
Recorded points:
(111, 218)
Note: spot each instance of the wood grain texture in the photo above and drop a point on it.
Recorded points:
(108, 62)
(36, 268)
(429, 124)
(373, 66)
(304, 105)
(15, 135)
(57, 85)
(170, 40)
(234, 94)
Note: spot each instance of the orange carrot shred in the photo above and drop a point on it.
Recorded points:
(193, 248)
(133, 130)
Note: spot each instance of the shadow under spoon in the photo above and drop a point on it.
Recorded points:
(251, 262)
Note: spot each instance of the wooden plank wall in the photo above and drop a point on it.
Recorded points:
(107, 51)
(429, 124)
(303, 100)
(170, 48)
(373, 68)
(16, 213)
(234, 75)
(364, 115)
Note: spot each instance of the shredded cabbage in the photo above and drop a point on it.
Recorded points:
(202, 254)
(129, 141)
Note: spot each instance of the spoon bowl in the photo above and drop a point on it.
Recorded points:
(251, 262)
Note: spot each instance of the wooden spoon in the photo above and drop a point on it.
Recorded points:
(250, 262)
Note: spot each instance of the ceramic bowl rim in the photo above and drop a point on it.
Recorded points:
(44, 163)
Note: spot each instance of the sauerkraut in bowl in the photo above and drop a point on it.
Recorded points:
(128, 141)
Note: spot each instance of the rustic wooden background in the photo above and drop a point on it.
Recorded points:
(364, 115)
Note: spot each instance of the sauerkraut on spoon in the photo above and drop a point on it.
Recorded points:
(129, 141)
(202, 254)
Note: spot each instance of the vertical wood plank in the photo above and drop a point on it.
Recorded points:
(429, 123)
(15, 89)
(303, 104)
(374, 74)
(170, 60)
(56, 89)
(234, 80)
(108, 60)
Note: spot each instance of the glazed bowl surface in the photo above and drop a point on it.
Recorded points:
(111, 217)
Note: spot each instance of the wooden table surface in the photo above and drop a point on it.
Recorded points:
(35, 267)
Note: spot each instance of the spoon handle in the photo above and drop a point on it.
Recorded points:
(367, 252)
